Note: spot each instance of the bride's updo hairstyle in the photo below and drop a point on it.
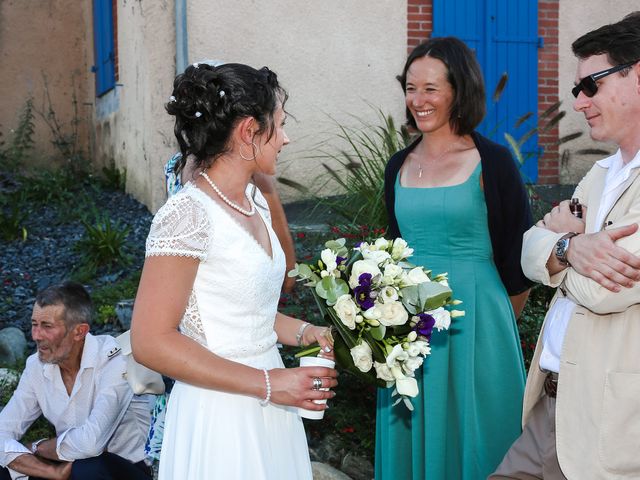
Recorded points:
(208, 101)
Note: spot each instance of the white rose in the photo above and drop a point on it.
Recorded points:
(360, 267)
(391, 272)
(383, 372)
(400, 250)
(362, 356)
(442, 318)
(412, 363)
(397, 355)
(388, 294)
(377, 256)
(347, 310)
(329, 258)
(417, 275)
(392, 313)
(411, 337)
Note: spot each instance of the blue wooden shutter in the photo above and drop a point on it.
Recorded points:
(504, 35)
(104, 67)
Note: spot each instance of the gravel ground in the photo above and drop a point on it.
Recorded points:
(48, 256)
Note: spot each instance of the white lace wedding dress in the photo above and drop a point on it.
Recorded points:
(231, 311)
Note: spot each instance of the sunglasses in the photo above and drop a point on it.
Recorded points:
(588, 84)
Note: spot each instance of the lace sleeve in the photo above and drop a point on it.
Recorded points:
(180, 228)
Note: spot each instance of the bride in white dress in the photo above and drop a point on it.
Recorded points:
(206, 309)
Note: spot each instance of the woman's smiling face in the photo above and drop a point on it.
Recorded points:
(428, 94)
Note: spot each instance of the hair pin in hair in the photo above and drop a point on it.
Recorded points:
(172, 99)
(196, 65)
(221, 93)
(198, 114)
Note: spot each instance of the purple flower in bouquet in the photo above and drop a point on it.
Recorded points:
(424, 327)
(362, 293)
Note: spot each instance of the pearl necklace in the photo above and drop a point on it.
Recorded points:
(226, 200)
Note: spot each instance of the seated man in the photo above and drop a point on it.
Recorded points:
(76, 381)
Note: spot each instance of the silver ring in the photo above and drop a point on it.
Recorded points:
(317, 383)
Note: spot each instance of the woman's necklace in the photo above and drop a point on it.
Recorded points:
(440, 157)
(226, 200)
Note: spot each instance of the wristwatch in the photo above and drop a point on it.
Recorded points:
(34, 446)
(562, 246)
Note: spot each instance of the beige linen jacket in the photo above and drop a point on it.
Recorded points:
(598, 400)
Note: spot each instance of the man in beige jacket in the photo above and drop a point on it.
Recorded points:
(581, 414)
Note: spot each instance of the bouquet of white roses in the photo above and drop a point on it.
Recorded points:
(383, 308)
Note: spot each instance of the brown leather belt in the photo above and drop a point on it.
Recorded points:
(551, 384)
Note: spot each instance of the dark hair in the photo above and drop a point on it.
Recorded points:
(208, 101)
(619, 41)
(78, 307)
(464, 75)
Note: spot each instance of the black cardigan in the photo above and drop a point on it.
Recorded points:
(508, 209)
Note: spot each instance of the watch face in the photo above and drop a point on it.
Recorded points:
(561, 249)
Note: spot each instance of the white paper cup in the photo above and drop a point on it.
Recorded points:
(315, 362)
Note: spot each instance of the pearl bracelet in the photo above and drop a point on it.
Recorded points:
(267, 399)
(300, 333)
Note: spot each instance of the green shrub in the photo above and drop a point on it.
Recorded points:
(13, 214)
(106, 297)
(113, 178)
(103, 245)
(360, 175)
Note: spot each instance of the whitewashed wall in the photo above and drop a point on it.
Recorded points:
(333, 57)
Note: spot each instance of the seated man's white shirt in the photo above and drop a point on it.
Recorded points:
(101, 413)
(562, 309)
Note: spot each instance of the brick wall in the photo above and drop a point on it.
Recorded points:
(549, 163)
(420, 26)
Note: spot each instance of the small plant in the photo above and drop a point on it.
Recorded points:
(361, 176)
(46, 187)
(103, 244)
(106, 297)
(13, 215)
(113, 178)
(105, 314)
(21, 140)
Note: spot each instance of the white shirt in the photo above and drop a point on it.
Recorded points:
(102, 413)
(562, 309)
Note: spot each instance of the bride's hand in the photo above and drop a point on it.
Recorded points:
(322, 336)
(295, 386)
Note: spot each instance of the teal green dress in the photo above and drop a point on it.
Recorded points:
(468, 411)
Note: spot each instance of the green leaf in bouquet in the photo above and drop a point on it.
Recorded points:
(303, 271)
(433, 295)
(350, 337)
(357, 255)
(378, 332)
(408, 265)
(338, 247)
(345, 361)
(401, 330)
(411, 299)
(377, 350)
(331, 288)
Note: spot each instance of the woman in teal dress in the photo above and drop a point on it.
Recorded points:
(457, 198)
